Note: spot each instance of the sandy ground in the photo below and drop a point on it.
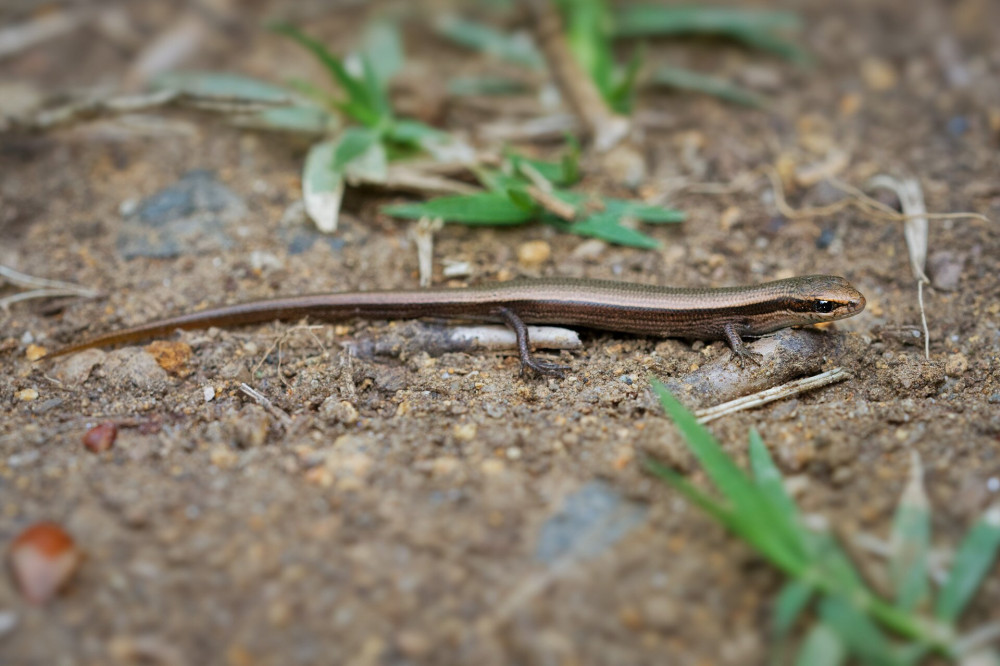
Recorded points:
(421, 509)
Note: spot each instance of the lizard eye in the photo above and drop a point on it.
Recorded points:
(826, 307)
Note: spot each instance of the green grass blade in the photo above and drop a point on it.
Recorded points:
(685, 79)
(792, 600)
(642, 211)
(586, 24)
(382, 48)
(481, 37)
(751, 511)
(710, 506)
(607, 228)
(861, 636)
(301, 119)
(655, 20)
(220, 84)
(973, 560)
(910, 543)
(353, 142)
(821, 647)
(359, 104)
(485, 208)
(768, 477)
(378, 95)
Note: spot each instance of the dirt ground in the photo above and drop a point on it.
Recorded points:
(419, 509)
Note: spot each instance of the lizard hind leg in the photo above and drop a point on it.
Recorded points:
(527, 360)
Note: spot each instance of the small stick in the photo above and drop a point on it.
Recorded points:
(606, 127)
(770, 395)
(269, 406)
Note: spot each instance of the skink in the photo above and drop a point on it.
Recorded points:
(728, 313)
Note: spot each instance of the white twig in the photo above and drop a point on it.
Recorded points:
(263, 401)
(422, 234)
(772, 394)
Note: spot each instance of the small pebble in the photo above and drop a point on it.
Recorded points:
(27, 395)
(35, 352)
(171, 356)
(465, 432)
(209, 393)
(878, 74)
(42, 560)
(513, 453)
(533, 253)
(101, 437)
(956, 365)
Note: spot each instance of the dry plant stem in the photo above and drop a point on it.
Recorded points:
(770, 395)
(22, 36)
(915, 230)
(40, 288)
(93, 107)
(422, 234)
(263, 401)
(605, 127)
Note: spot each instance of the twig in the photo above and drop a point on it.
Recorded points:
(422, 234)
(606, 127)
(770, 395)
(269, 406)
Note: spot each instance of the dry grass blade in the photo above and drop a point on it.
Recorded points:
(770, 395)
(915, 230)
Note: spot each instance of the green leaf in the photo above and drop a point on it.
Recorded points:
(658, 20)
(218, 84)
(642, 211)
(758, 29)
(558, 173)
(382, 48)
(371, 166)
(821, 647)
(861, 636)
(973, 560)
(767, 476)
(359, 106)
(792, 600)
(587, 25)
(623, 92)
(685, 79)
(517, 49)
(523, 200)
(475, 86)
(322, 186)
(304, 119)
(414, 132)
(353, 142)
(378, 95)
(607, 228)
(910, 543)
(486, 208)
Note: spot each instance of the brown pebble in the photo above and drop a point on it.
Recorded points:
(533, 253)
(956, 365)
(42, 560)
(101, 437)
(171, 356)
(35, 352)
(27, 395)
